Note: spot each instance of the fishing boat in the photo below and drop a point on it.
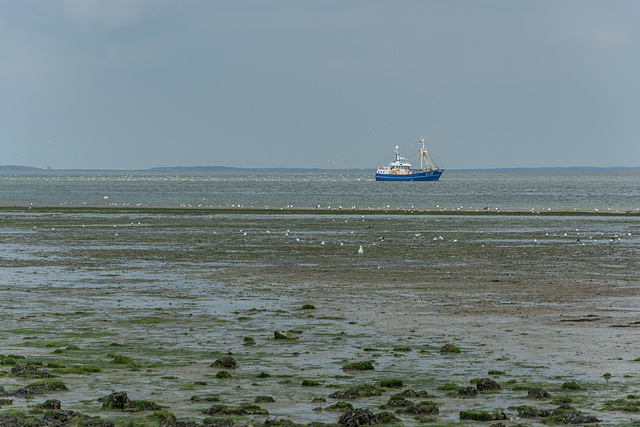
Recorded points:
(400, 169)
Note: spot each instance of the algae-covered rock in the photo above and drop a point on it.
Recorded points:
(142, 405)
(117, 400)
(391, 383)
(165, 418)
(17, 419)
(223, 375)
(538, 393)
(467, 391)
(29, 372)
(406, 406)
(217, 422)
(284, 335)
(449, 349)
(413, 393)
(561, 400)
(366, 365)
(569, 416)
(41, 387)
(351, 393)
(482, 415)
(422, 408)
(525, 411)
(340, 406)
(122, 360)
(249, 409)
(50, 404)
(363, 390)
(278, 422)
(10, 359)
(308, 307)
(208, 398)
(72, 419)
(449, 386)
(227, 362)
(396, 402)
(4, 402)
(572, 386)
(217, 409)
(358, 417)
(54, 365)
(60, 417)
(487, 384)
(622, 405)
(264, 399)
(387, 418)
(246, 409)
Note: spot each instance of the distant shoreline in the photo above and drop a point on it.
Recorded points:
(279, 210)
(227, 170)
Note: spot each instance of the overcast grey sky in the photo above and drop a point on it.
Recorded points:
(133, 84)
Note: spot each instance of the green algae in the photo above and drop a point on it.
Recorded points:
(392, 383)
(121, 360)
(47, 386)
(366, 365)
(475, 415)
(572, 386)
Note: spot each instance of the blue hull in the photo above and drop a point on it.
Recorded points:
(418, 176)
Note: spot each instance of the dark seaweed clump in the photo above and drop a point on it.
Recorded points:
(482, 415)
(363, 417)
(391, 383)
(247, 409)
(227, 362)
(359, 366)
(363, 390)
(120, 401)
(449, 349)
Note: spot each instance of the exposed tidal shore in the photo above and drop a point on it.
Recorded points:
(448, 318)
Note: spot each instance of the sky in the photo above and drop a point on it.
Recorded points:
(136, 84)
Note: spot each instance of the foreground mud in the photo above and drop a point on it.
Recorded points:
(191, 317)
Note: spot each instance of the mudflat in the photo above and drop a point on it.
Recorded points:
(159, 316)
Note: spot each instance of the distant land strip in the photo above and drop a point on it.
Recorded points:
(210, 210)
(198, 170)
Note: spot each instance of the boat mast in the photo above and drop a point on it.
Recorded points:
(425, 160)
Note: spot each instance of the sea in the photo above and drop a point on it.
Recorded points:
(603, 192)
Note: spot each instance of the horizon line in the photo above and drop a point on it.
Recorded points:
(540, 169)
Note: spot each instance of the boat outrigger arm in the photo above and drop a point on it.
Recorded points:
(425, 161)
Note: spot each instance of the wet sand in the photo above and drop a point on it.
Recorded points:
(175, 290)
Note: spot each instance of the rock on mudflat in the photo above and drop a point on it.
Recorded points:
(29, 372)
(226, 362)
(50, 404)
(284, 335)
(487, 384)
(358, 417)
(117, 400)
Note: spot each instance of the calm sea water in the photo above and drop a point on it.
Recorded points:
(618, 192)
